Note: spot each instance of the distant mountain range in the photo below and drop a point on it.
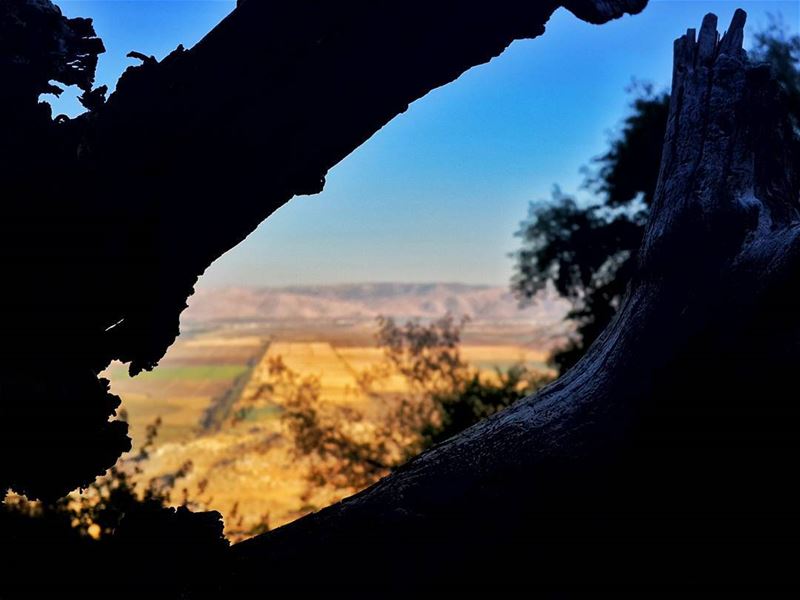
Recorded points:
(365, 301)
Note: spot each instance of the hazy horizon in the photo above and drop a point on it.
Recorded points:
(351, 284)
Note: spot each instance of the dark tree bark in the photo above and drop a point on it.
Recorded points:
(109, 219)
(666, 456)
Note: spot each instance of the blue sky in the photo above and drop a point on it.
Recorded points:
(437, 194)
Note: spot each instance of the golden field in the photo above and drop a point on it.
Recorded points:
(195, 373)
(245, 468)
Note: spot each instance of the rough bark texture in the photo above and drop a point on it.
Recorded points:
(108, 219)
(666, 456)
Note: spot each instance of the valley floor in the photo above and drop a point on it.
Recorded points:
(242, 462)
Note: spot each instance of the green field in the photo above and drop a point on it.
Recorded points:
(197, 378)
(263, 412)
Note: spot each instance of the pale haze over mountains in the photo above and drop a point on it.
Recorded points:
(365, 301)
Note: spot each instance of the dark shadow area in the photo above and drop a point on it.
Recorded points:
(663, 458)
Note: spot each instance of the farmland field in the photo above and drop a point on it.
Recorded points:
(196, 373)
(242, 460)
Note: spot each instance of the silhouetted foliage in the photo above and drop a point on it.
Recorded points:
(344, 454)
(781, 51)
(587, 250)
(587, 253)
(476, 398)
(444, 396)
(457, 394)
(86, 539)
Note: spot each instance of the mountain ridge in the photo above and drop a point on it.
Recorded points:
(365, 301)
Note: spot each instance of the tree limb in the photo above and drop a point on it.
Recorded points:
(110, 218)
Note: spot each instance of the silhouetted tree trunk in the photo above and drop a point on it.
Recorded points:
(667, 455)
(674, 440)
